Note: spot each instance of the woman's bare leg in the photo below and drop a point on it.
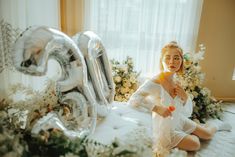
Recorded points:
(204, 132)
(189, 143)
(192, 143)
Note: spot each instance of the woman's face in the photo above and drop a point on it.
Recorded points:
(172, 60)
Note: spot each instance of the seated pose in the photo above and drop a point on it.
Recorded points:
(171, 107)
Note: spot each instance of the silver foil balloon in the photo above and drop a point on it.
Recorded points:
(99, 69)
(31, 53)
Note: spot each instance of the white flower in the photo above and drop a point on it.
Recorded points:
(187, 64)
(125, 79)
(198, 56)
(196, 121)
(133, 79)
(117, 79)
(134, 86)
(191, 85)
(197, 68)
(70, 155)
(127, 95)
(123, 68)
(126, 83)
(118, 98)
(124, 90)
(131, 91)
(201, 77)
(129, 61)
(196, 81)
(124, 100)
(195, 94)
(205, 91)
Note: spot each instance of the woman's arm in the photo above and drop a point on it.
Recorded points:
(147, 97)
(162, 110)
(142, 99)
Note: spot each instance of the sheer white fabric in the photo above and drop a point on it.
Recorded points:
(167, 132)
(22, 14)
(140, 28)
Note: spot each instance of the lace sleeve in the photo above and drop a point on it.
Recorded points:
(146, 97)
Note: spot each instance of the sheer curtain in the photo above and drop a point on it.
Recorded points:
(140, 28)
(22, 14)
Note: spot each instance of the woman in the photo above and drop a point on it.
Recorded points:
(171, 126)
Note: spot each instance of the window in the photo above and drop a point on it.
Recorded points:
(139, 28)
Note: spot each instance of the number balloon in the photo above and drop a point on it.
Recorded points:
(98, 69)
(31, 53)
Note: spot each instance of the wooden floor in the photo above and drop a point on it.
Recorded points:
(223, 143)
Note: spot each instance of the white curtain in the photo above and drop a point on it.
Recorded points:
(140, 28)
(22, 14)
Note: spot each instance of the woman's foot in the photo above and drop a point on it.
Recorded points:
(220, 125)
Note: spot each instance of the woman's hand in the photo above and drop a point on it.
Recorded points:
(181, 93)
(162, 111)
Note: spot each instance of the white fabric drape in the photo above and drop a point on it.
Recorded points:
(140, 28)
(22, 14)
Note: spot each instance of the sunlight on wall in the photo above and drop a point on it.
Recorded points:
(233, 74)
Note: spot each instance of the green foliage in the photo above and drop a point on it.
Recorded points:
(205, 106)
(54, 143)
(18, 142)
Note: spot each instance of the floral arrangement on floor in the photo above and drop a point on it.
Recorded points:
(133, 146)
(23, 110)
(18, 116)
(205, 105)
(125, 79)
(16, 139)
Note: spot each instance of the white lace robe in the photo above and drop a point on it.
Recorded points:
(166, 131)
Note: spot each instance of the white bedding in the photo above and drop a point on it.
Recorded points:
(223, 143)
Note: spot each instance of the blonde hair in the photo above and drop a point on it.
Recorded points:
(172, 45)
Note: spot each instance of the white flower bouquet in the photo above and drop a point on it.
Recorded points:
(125, 79)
